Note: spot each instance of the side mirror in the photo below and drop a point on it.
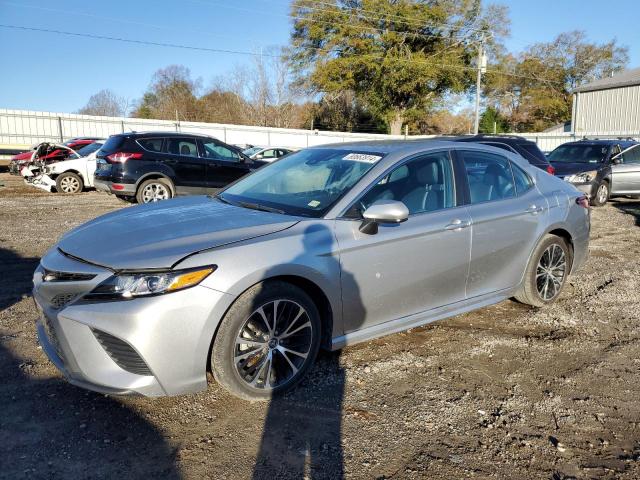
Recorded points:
(383, 211)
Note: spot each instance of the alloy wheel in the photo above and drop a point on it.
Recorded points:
(551, 271)
(273, 344)
(154, 192)
(603, 193)
(70, 184)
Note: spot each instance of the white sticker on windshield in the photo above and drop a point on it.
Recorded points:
(313, 203)
(362, 157)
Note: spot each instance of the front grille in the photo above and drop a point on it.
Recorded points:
(62, 299)
(51, 335)
(122, 353)
(53, 276)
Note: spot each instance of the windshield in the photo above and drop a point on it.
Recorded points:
(305, 183)
(579, 154)
(88, 149)
(250, 151)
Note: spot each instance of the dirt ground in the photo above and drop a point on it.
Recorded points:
(505, 392)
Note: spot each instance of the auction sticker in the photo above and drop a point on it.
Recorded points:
(362, 157)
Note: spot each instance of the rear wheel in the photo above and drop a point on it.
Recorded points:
(69, 182)
(546, 273)
(154, 190)
(267, 341)
(602, 194)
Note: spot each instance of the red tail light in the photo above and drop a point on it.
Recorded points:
(583, 201)
(121, 157)
(551, 170)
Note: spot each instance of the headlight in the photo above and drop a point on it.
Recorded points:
(132, 285)
(584, 177)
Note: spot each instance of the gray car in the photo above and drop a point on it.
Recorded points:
(325, 248)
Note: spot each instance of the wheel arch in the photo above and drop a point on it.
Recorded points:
(317, 295)
(156, 176)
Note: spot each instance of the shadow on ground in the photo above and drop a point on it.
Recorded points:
(50, 429)
(631, 207)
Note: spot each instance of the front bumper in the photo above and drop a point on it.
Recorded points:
(169, 334)
(589, 188)
(108, 186)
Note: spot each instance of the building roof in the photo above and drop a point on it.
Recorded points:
(627, 78)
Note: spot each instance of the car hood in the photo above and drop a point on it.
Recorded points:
(570, 168)
(159, 235)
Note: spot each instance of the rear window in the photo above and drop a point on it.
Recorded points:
(530, 151)
(112, 144)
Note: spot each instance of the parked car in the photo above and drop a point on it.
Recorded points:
(72, 175)
(54, 154)
(154, 166)
(267, 154)
(511, 143)
(329, 246)
(587, 164)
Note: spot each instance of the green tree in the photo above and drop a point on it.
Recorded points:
(397, 56)
(491, 121)
(536, 94)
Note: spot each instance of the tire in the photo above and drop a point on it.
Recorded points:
(69, 183)
(533, 284)
(245, 370)
(602, 194)
(154, 190)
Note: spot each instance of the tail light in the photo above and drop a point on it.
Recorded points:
(551, 170)
(583, 201)
(121, 157)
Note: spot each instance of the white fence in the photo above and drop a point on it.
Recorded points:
(23, 127)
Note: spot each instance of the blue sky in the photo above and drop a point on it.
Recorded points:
(44, 71)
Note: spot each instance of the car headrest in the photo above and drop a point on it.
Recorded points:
(428, 174)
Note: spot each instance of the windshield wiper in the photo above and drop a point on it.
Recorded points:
(262, 208)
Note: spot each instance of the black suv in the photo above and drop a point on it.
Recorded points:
(511, 143)
(153, 166)
(587, 164)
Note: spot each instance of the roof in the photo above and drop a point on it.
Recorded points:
(597, 141)
(628, 78)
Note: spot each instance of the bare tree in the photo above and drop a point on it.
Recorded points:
(105, 103)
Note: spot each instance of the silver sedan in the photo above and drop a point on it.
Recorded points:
(330, 246)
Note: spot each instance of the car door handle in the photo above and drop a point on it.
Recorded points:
(457, 224)
(533, 209)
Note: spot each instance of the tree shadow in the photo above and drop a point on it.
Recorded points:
(51, 429)
(302, 436)
(631, 207)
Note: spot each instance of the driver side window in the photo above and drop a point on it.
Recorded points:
(424, 185)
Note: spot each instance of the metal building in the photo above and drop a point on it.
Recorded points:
(609, 105)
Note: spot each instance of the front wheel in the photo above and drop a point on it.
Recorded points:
(546, 273)
(69, 182)
(154, 190)
(602, 194)
(267, 341)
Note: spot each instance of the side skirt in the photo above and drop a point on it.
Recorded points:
(422, 318)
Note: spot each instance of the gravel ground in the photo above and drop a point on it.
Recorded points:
(504, 392)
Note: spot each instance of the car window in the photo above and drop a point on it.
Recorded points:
(185, 147)
(151, 144)
(632, 156)
(489, 175)
(423, 185)
(579, 153)
(213, 150)
(269, 154)
(522, 181)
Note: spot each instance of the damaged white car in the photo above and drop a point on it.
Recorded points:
(69, 176)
